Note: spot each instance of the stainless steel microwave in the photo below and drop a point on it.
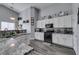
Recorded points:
(49, 25)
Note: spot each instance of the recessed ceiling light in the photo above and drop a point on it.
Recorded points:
(12, 18)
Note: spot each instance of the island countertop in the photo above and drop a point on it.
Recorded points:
(15, 45)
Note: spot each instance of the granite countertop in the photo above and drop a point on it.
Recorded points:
(20, 50)
(14, 46)
(58, 30)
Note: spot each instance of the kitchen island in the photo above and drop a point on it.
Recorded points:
(15, 45)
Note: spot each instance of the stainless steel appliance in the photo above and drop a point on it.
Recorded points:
(48, 37)
(49, 25)
(48, 33)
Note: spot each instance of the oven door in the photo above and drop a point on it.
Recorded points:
(48, 37)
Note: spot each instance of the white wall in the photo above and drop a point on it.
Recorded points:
(74, 19)
(35, 14)
(56, 8)
(75, 28)
(5, 15)
(25, 14)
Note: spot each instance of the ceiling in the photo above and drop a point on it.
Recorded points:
(18, 7)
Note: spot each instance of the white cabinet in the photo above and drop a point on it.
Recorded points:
(67, 21)
(39, 36)
(68, 40)
(62, 39)
(46, 21)
(55, 22)
(50, 21)
(38, 24)
(60, 22)
(55, 38)
(41, 24)
(64, 21)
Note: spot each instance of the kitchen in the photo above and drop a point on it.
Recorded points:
(60, 27)
(50, 24)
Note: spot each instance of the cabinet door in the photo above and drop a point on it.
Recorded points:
(60, 22)
(61, 39)
(67, 21)
(39, 36)
(38, 24)
(51, 21)
(54, 38)
(68, 40)
(64, 21)
(65, 40)
(36, 35)
(43, 24)
(55, 21)
(47, 21)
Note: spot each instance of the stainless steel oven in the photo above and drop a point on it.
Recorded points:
(48, 37)
(48, 33)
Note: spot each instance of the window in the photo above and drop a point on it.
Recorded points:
(7, 25)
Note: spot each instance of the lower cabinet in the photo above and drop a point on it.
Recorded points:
(62, 39)
(68, 40)
(39, 36)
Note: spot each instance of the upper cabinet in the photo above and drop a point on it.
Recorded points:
(38, 24)
(64, 21)
(55, 22)
(67, 21)
(41, 24)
